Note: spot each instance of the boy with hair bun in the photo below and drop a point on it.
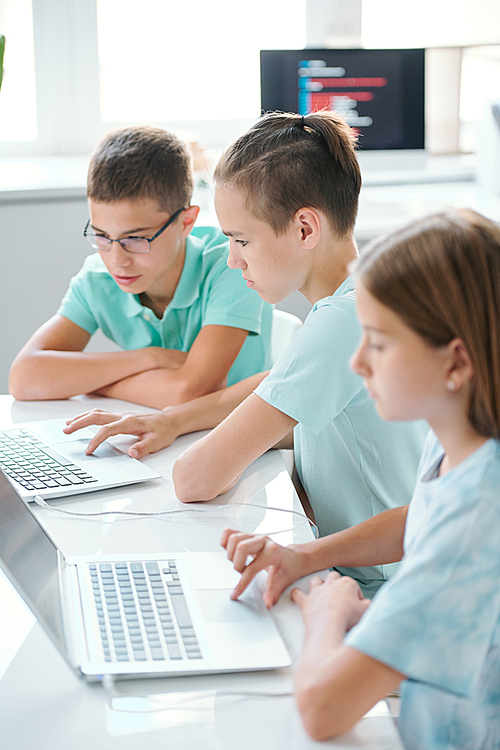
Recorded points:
(156, 286)
(286, 195)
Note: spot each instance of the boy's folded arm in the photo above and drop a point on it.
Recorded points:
(204, 370)
(213, 463)
(53, 365)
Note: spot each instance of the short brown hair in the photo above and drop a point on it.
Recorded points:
(286, 162)
(441, 275)
(141, 162)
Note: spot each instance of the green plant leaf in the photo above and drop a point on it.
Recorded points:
(2, 50)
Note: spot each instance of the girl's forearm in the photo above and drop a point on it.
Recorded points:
(335, 684)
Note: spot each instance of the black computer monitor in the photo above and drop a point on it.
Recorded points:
(380, 92)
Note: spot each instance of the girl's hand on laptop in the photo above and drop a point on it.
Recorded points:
(338, 599)
(284, 565)
(155, 431)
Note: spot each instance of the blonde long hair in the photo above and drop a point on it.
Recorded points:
(441, 275)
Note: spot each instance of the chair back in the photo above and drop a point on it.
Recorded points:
(284, 326)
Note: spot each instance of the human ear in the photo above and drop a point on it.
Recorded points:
(189, 217)
(460, 370)
(308, 222)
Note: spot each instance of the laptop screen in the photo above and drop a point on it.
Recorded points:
(29, 559)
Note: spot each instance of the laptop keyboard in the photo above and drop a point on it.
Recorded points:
(142, 612)
(35, 465)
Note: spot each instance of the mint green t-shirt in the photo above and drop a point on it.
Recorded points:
(351, 462)
(208, 293)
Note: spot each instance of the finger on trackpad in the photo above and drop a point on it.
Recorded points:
(76, 450)
(216, 606)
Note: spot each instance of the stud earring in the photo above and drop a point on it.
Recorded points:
(451, 385)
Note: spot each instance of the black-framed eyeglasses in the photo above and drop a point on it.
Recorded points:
(130, 244)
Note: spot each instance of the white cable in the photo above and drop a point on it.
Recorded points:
(108, 683)
(43, 504)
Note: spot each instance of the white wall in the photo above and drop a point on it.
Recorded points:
(41, 248)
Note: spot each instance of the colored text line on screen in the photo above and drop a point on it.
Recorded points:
(323, 87)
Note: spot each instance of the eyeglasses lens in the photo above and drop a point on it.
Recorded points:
(131, 244)
(135, 244)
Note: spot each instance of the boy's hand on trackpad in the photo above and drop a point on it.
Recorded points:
(153, 430)
(284, 565)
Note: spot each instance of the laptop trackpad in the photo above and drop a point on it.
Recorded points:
(76, 450)
(216, 606)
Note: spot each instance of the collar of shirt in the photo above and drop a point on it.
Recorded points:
(188, 288)
(348, 286)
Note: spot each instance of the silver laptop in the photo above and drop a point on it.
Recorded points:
(39, 459)
(136, 615)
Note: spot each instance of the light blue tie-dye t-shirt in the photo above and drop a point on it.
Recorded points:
(437, 621)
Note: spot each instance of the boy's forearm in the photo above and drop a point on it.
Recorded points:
(208, 411)
(208, 467)
(166, 390)
(51, 374)
(286, 443)
(156, 389)
(377, 541)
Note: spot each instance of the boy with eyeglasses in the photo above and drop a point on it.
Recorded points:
(159, 288)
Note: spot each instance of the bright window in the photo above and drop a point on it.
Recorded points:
(480, 85)
(195, 67)
(18, 95)
(169, 62)
(429, 23)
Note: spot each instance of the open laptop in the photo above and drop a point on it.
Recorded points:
(136, 615)
(39, 459)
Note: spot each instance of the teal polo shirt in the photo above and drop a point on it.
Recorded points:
(208, 293)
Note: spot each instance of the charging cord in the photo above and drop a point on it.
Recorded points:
(182, 702)
(108, 684)
(176, 511)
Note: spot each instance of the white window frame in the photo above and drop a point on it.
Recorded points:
(67, 79)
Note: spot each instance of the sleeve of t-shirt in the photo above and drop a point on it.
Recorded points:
(230, 302)
(312, 381)
(435, 619)
(76, 304)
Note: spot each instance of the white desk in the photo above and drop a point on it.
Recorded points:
(43, 705)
